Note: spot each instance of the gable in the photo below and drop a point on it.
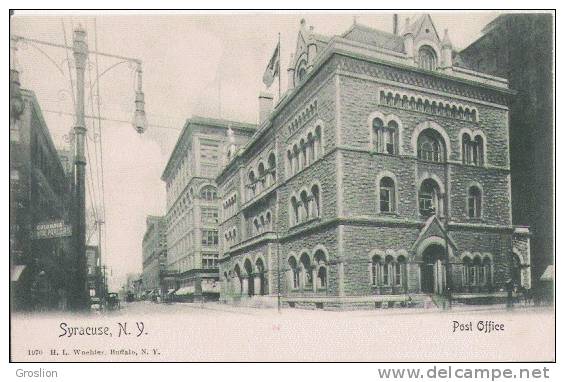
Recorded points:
(433, 229)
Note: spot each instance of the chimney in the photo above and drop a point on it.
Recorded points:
(265, 106)
(395, 24)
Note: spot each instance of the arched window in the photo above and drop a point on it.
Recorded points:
(472, 150)
(487, 271)
(467, 149)
(429, 198)
(294, 215)
(387, 271)
(322, 277)
(289, 164)
(478, 151)
(467, 280)
(321, 274)
(476, 273)
(399, 271)
(256, 226)
(385, 138)
(431, 146)
(295, 159)
(303, 153)
(318, 142)
(272, 169)
(387, 198)
(306, 266)
(376, 270)
(315, 201)
(268, 221)
(208, 193)
(311, 151)
(427, 58)
(305, 202)
(262, 177)
(474, 200)
(252, 185)
(295, 273)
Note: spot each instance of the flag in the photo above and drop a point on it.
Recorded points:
(274, 67)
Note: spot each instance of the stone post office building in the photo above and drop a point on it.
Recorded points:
(384, 154)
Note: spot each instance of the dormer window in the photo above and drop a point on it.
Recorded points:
(427, 58)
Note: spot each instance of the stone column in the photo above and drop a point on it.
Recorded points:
(257, 284)
(245, 285)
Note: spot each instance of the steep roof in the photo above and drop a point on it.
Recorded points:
(371, 36)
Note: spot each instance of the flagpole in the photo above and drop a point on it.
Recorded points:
(279, 60)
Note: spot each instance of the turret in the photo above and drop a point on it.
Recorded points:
(312, 49)
(408, 40)
(290, 72)
(446, 51)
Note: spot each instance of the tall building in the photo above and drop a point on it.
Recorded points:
(41, 256)
(382, 176)
(154, 255)
(520, 47)
(192, 203)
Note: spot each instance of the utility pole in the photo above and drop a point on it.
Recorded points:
(99, 223)
(80, 293)
(446, 214)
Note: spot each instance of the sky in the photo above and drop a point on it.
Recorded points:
(193, 64)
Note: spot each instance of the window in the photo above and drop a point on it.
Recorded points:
(295, 273)
(467, 271)
(308, 277)
(387, 270)
(304, 212)
(209, 215)
(387, 197)
(429, 198)
(376, 270)
(315, 201)
(474, 202)
(430, 146)
(385, 138)
(427, 58)
(400, 271)
(210, 261)
(320, 264)
(208, 193)
(209, 237)
(294, 213)
(209, 157)
(472, 150)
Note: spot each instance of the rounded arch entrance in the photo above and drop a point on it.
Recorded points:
(433, 275)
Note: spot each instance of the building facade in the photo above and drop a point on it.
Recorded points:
(94, 272)
(381, 176)
(520, 47)
(193, 204)
(154, 256)
(41, 259)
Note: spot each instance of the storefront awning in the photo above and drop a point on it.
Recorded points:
(16, 271)
(185, 291)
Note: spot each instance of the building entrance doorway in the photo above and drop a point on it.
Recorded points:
(433, 274)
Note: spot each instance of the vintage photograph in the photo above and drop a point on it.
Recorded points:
(281, 186)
